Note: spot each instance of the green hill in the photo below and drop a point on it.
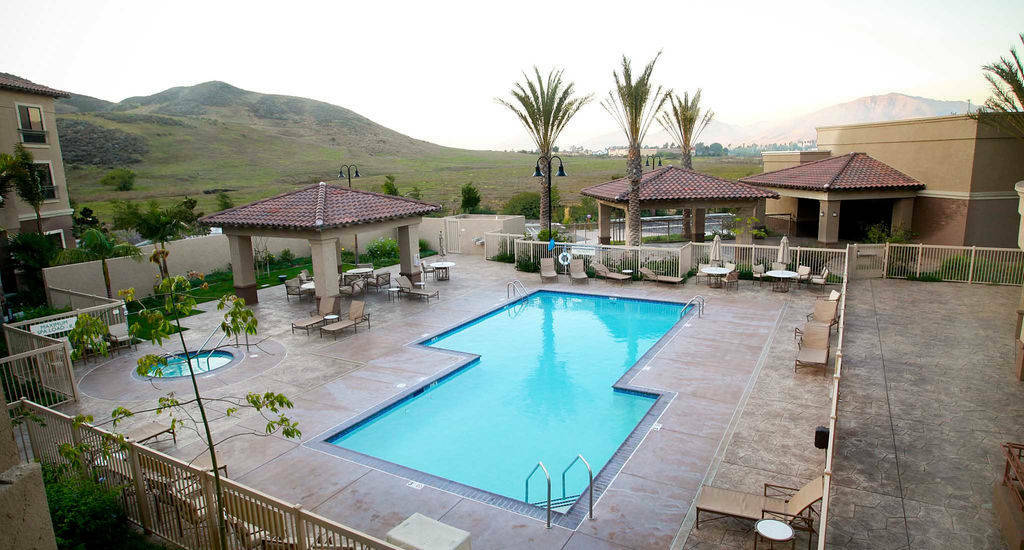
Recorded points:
(214, 136)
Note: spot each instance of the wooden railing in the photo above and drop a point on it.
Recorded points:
(174, 500)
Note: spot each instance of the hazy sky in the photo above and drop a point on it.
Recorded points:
(432, 69)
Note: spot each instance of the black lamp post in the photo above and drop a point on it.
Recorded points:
(346, 170)
(561, 173)
(649, 160)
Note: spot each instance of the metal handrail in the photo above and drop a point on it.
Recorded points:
(527, 483)
(700, 306)
(513, 287)
(590, 484)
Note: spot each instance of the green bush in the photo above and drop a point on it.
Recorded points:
(505, 257)
(879, 233)
(389, 187)
(544, 236)
(527, 265)
(526, 204)
(470, 197)
(286, 257)
(224, 201)
(382, 249)
(122, 179)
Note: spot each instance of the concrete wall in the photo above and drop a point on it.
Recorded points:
(203, 254)
(24, 515)
(471, 227)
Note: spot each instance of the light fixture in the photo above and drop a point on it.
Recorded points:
(536, 171)
(561, 171)
(357, 173)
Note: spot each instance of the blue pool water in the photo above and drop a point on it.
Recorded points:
(541, 390)
(204, 361)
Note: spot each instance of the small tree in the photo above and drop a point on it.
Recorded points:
(389, 187)
(96, 245)
(415, 193)
(470, 198)
(121, 179)
(156, 223)
(82, 220)
(20, 172)
(32, 252)
(224, 201)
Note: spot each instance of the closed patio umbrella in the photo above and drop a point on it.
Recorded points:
(440, 244)
(783, 257)
(715, 255)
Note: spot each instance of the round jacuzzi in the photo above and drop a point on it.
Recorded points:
(202, 362)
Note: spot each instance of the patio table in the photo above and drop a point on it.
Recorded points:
(394, 293)
(361, 272)
(442, 272)
(308, 286)
(715, 275)
(774, 531)
(781, 279)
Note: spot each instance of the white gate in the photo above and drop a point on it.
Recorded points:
(453, 236)
(868, 261)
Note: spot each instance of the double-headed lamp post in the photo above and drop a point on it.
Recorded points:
(649, 160)
(537, 173)
(346, 170)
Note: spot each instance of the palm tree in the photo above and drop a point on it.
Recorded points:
(158, 225)
(545, 107)
(634, 104)
(685, 122)
(1004, 109)
(20, 172)
(95, 245)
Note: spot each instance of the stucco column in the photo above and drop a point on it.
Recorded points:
(828, 221)
(902, 213)
(408, 245)
(698, 224)
(604, 223)
(745, 236)
(242, 268)
(325, 266)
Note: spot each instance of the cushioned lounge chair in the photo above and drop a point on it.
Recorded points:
(316, 318)
(576, 271)
(779, 266)
(649, 275)
(355, 287)
(408, 289)
(732, 279)
(792, 506)
(379, 281)
(825, 312)
(356, 314)
(150, 430)
(547, 269)
(602, 271)
(813, 344)
(730, 266)
(119, 337)
(803, 274)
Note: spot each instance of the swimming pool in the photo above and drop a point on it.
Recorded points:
(541, 390)
(203, 361)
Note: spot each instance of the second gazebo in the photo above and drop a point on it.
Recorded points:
(672, 187)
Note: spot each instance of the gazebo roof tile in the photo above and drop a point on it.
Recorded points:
(319, 207)
(852, 171)
(673, 183)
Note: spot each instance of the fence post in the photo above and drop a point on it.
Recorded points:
(140, 488)
(885, 262)
(33, 439)
(300, 529)
(970, 271)
(70, 371)
(798, 256)
(212, 513)
(920, 251)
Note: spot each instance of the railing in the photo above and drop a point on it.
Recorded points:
(699, 300)
(1013, 474)
(960, 264)
(526, 497)
(497, 245)
(661, 260)
(174, 500)
(590, 483)
(514, 288)
(834, 259)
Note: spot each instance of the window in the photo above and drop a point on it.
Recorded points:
(57, 236)
(46, 180)
(30, 121)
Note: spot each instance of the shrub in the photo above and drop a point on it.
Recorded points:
(122, 179)
(85, 514)
(224, 201)
(286, 256)
(424, 245)
(879, 233)
(505, 257)
(470, 197)
(415, 193)
(544, 236)
(382, 249)
(527, 265)
(389, 187)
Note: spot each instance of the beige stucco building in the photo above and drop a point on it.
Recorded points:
(27, 117)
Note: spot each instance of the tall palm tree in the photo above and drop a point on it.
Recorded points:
(155, 223)
(544, 106)
(20, 172)
(95, 245)
(634, 104)
(1004, 109)
(685, 121)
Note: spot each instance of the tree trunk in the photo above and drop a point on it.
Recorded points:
(545, 214)
(39, 220)
(106, 277)
(164, 272)
(634, 171)
(687, 158)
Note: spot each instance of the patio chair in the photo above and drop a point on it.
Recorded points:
(803, 274)
(427, 269)
(356, 314)
(825, 313)
(355, 287)
(380, 280)
(730, 266)
(820, 280)
(701, 274)
(649, 275)
(833, 296)
(150, 430)
(547, 269)
(304, 276)
(732, 279)
(291, 288)
(787, 504)
(779, 266)
(602, 271)
(576, 271)
(118, 336)
(758, 273)
(406, 288)
(813, 346)
(316, 318)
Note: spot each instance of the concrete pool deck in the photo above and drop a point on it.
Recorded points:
(741, 416)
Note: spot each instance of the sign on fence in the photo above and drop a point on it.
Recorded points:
(54, 327)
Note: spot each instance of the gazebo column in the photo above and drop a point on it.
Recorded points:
(828, 221)
(698, 224)
(325, 266)
(408, 245)
(604, 223)
(243, 269)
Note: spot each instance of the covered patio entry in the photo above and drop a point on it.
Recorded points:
(322, 214)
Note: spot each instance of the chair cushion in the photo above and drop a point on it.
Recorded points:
(737, 504)
(312, 321)
(815, 356)
(337, 327)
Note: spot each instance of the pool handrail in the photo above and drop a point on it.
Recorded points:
(699, 300)
(513, 287)
(590, 484)
(527, 483)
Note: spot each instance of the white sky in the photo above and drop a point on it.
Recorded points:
(432, 69)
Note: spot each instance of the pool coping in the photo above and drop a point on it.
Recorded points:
(577, 513)
(236, 359)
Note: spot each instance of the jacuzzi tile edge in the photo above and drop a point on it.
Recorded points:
(578, 512)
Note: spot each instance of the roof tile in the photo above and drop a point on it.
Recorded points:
(11, 82)
(679, 184)
(852, 171)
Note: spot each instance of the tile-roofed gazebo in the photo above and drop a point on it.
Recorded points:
(673, 187)
(11, 82)
(322, 214)
(812, 194)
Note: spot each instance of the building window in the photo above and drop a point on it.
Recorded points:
(30, 122)
(46, 180)
(57, 236)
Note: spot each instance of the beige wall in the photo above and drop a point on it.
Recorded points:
(203, 254)
(778, 160)
(471, 227)
(12, 218)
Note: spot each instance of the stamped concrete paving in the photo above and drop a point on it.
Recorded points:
(741, 416)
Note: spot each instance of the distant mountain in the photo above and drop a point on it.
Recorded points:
(78, 103)
(876, 108)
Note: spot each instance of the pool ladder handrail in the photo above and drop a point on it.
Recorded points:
(514, 287)
(699, 300)
(590, 484)
(527, 483)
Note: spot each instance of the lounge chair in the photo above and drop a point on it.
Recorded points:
(833, 296)
(356, 314)
(316, 318)
(825, 313)
(813, 344)
(820, 280)
(701, 274)
(649, 275)
(602, 271)
(732, 279)
(793, 506)
(407, 288)
(150, 430)
(576, 271)
(758, 273)
(379, 281)
(803, 274)
(547, 269)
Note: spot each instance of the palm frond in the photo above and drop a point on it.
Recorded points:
(1004, 108)
(544, 106)
(685, 120)
(635, 103)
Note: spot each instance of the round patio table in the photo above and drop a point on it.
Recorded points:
(715, 275)
(394, 293)
(359, 271)
(781, 279)
(442, 272)
(774, 531)
(308, 286)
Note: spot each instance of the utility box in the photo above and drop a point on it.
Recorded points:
(419, 532)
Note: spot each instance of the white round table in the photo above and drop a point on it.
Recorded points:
(773, 530)
(781, 279)
(715, 275)
(394, 293)
(359, 271)
(308, 286)
(330, 318)
(442, 272)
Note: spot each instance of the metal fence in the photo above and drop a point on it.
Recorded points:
(961, 264)
(174, 500)
(747, 255)
(499, 245)
(660, 260)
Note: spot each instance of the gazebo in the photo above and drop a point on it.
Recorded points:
(672, 187)
(321, 214)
